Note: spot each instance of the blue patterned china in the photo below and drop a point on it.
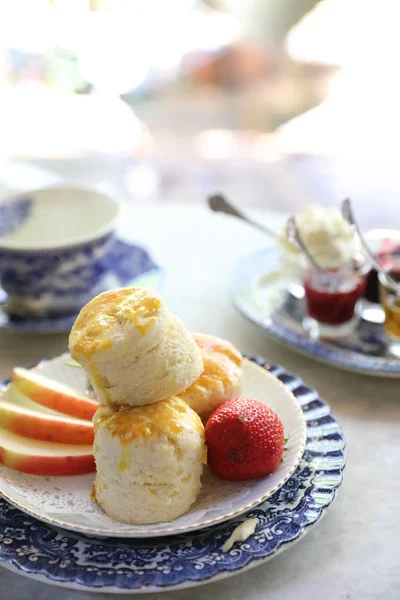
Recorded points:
(259, 292)
(125, 264)
(54, 244)
(52, 555)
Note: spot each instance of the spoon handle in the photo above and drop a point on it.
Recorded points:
(347, 211)
(218, 203)
(294, 236)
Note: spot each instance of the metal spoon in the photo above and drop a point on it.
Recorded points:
(218, 203)
(348, 214)
(293, 234)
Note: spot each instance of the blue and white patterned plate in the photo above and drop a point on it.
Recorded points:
(49, 554)
(126, 264)
(260, 295)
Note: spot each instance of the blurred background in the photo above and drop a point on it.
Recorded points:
(275, 103)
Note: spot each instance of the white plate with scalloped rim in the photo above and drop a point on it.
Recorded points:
(65, 501)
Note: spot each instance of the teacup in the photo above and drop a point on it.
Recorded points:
(53, 246)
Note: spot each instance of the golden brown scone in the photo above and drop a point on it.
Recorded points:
(133, 349)
(221, 378)
(149, 461)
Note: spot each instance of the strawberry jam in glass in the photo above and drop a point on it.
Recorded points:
(332, 298)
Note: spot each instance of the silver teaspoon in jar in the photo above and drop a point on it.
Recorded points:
(219, 203)
(293, 234)
(348, 214)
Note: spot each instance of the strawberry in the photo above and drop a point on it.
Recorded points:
(244, 439)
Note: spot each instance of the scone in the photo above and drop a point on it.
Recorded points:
(134, 351)
(148, 461)
(221, 378)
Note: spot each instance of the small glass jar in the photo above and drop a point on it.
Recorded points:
(390, 300)
(333, 297)
(384, 244)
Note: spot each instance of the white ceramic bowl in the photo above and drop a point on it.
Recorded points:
(53, 243)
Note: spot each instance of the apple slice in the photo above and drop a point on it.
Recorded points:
(44, 458)
(54, 395)
(41, 426)
(15, 397)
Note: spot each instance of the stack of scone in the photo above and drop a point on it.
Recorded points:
(149, 443)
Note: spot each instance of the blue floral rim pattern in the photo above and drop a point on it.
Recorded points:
(126, 264)
(362, 352)
(126, 566)
(27, 273)
(13, 213)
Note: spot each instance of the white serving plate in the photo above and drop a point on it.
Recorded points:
(65, 501)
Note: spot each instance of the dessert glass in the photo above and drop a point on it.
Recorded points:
(385, 244)
(390, 300)
(333, 297)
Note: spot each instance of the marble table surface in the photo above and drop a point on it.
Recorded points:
(354, 552)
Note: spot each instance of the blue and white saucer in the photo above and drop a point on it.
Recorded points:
(49, 554)
(127, 265)
(260, 294)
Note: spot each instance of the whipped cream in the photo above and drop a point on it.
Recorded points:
(240, 533)
(326, 234)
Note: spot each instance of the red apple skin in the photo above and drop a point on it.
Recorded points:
(43, 393)
(39, 426)
(47, 465)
